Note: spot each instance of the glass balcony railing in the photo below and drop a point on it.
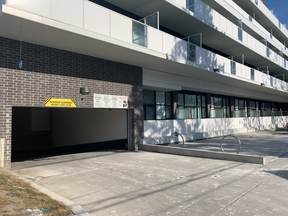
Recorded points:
(139, 34)
(191, 52)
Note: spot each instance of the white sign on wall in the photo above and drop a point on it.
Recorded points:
(110, 101)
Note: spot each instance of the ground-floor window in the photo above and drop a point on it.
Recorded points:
(255, 109)
(191, 106)
(240, 108)
(277, 109)
(267, 109)
(220, 107)
(157, 105)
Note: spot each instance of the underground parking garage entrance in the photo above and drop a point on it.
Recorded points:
(41, 132)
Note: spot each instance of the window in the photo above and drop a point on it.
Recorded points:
(276, 109)
(250, 18)
(254, 106)
(267, 109)
(191, 106)
(191, 103)
(148, 101)
(285, 63)
(240, 108)
(256, 2)
(233, 67)
(168, 105)
(139, 35)
(160, 105)
(252, 74)
(157, 105)
(220, 107)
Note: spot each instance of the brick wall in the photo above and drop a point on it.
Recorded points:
(49, 72)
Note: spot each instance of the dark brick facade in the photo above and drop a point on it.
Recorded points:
(53, 73)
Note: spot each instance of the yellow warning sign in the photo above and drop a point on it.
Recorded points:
(58, 102)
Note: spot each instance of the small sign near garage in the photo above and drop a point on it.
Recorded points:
(110, 101)
(58, 102)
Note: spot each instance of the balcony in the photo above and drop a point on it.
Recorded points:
(215, 20)
(265, 17)
(107, 34)
(224, 6)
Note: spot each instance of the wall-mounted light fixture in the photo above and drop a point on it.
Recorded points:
(84, 91)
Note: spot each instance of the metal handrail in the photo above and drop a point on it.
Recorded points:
(177, 134)
(239, 149)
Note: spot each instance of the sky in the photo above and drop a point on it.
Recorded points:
(280, 9)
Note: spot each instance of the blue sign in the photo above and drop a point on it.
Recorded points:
(20, 64)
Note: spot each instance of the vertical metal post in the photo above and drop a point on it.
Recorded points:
(129, 130)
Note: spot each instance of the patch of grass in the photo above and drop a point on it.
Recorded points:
(30, 197)
(5, 201)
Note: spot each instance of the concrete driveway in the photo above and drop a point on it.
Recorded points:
(144, 183)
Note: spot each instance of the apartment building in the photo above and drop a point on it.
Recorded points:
(115, 74)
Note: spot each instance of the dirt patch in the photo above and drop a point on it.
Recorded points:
(17, 195)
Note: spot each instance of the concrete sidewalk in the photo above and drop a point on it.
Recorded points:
(144, 183)
(256, 147)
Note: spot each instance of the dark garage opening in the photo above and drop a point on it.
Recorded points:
(41, 132)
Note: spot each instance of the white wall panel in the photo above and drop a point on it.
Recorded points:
(238, 69)
(227, 65)
(245, 38)
(121, 27)
(155, 37)
(181, 2)
(40, 7)
(152, 129)
(235, 31)
(223, 23)
(246, 72)
(68, 11)
(229, 28)
(174, 46)
(216, 19)
(96, 18)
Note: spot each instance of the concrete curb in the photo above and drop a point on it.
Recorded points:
(203, 154)
(77, 209)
